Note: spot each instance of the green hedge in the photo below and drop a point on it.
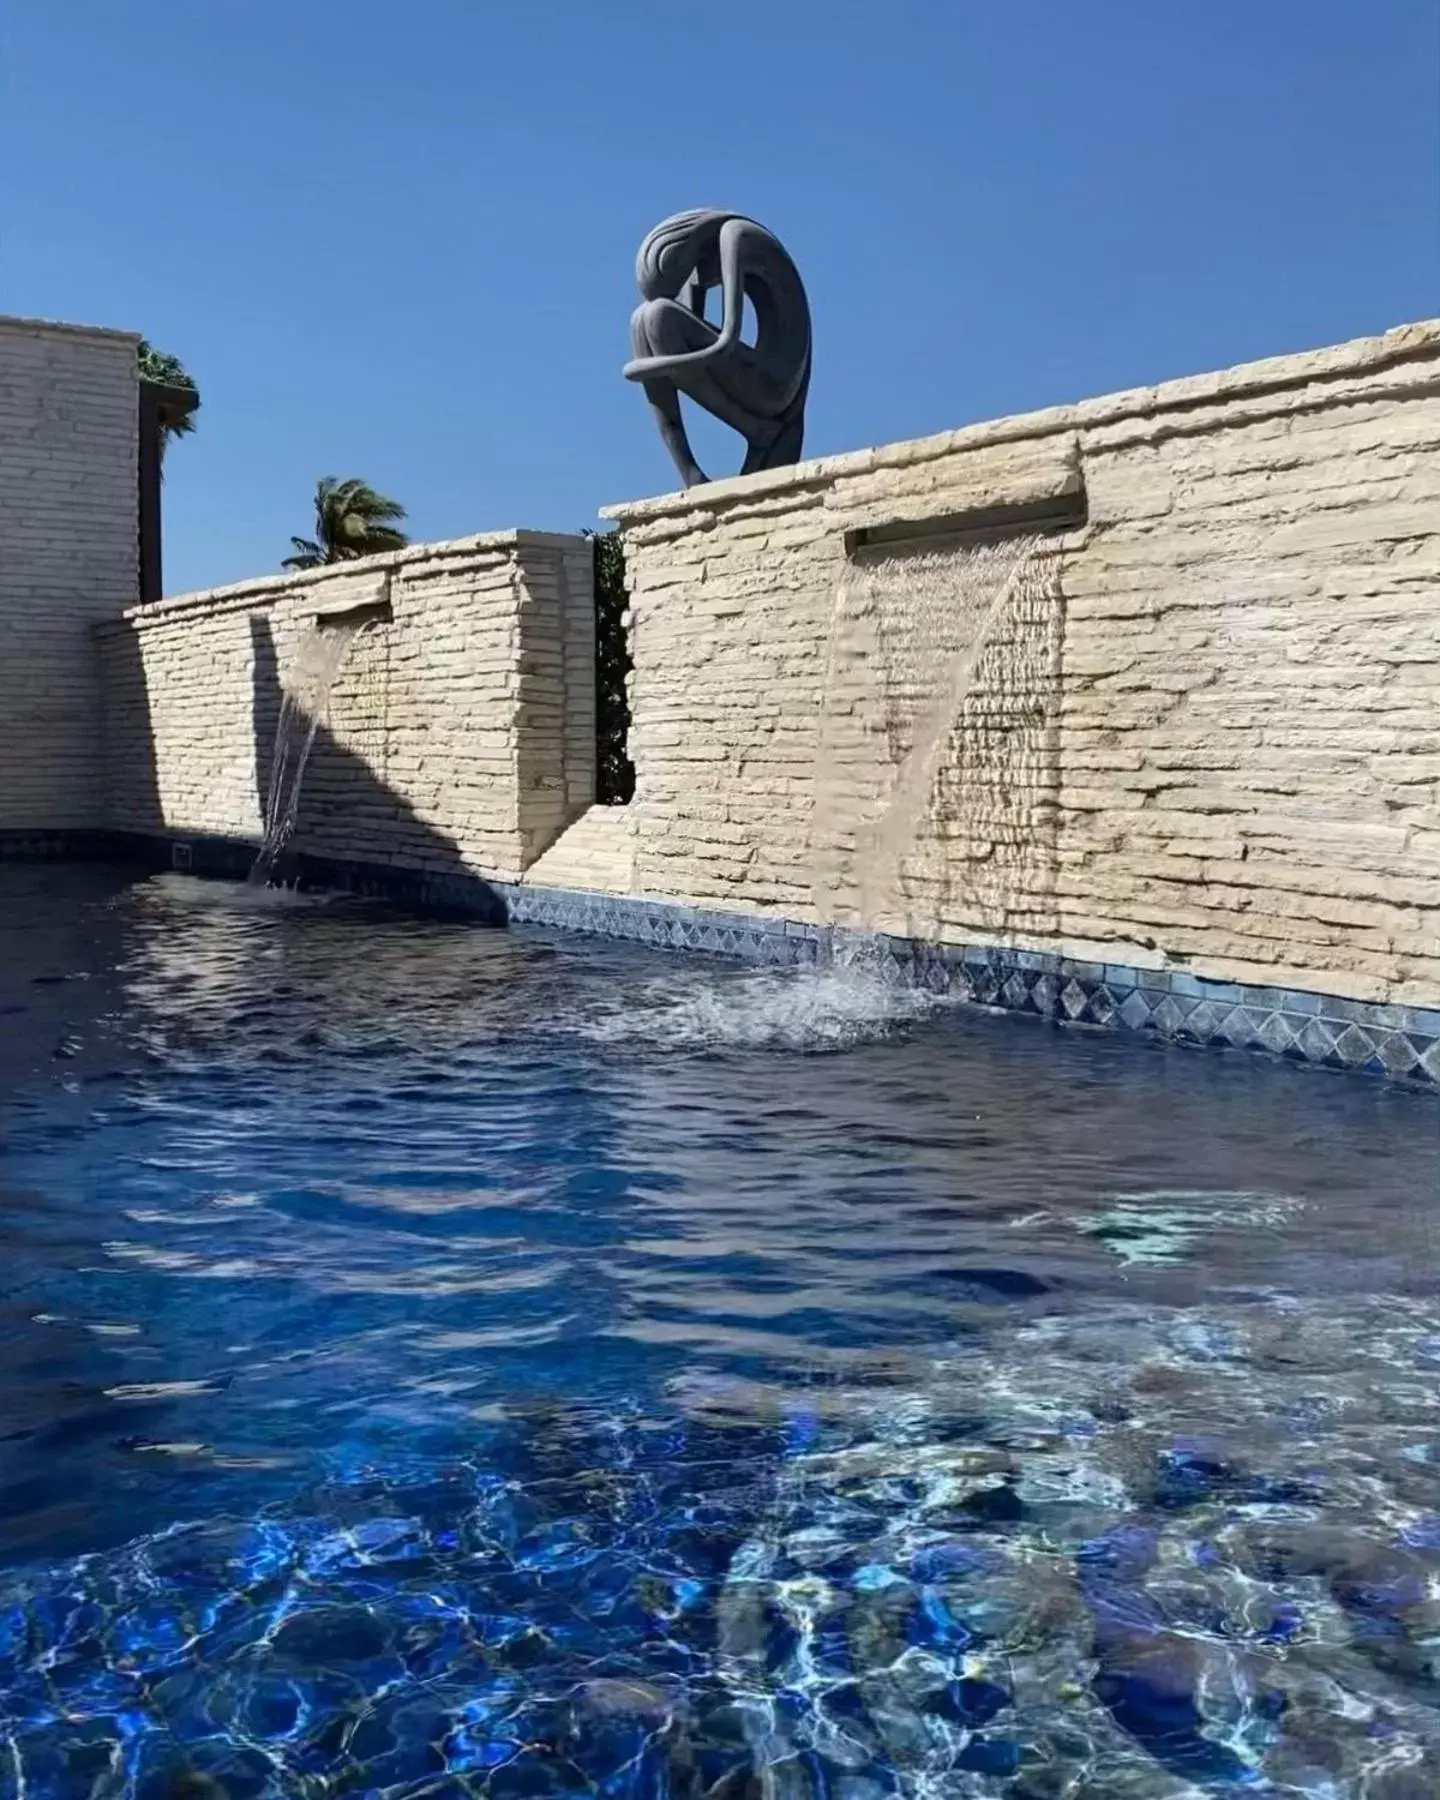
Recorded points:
(615, 774)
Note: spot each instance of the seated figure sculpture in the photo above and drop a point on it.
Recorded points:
(758, 389)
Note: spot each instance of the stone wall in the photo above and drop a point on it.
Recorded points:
(460, 735)
(68, 523)
(1202, 731)
(1151, 680)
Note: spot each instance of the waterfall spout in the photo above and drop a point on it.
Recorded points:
(907, 635)
(304, 705)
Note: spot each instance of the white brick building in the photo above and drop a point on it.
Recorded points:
(68, 556)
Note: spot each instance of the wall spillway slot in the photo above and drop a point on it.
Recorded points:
(1056, 512)
(353, 618)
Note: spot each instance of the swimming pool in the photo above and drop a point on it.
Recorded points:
(441, 1361)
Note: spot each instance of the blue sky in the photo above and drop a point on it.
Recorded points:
(397, 240)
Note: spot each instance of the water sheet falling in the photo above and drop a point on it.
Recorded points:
(304, 706)
(907, 635)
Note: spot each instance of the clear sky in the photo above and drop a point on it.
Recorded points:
(397, 240)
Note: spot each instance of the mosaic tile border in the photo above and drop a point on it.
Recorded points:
(27, 844)
(1399, 1043)
(1396, 1042)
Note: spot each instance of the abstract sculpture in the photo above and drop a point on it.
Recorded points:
(758, 389)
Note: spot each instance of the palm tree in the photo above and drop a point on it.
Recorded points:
(165, 371)
(351, 520)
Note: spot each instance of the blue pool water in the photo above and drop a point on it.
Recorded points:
(441, 1362)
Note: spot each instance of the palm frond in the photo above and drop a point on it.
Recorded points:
(362, 501)
(161, 368)
(351, 520)
(308, 555)
(375, 539)
(357, 519)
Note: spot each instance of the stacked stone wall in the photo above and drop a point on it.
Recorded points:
(1202, 732)
(1209, 737)
(459, 734)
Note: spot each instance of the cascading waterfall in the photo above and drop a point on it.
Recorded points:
(304, 705)
(907, 635)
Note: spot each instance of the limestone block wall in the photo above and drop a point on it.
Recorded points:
(1202, 730)
(68, 556)
(460, 733)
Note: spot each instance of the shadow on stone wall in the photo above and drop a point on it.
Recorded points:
(129, 778)
(387, 849)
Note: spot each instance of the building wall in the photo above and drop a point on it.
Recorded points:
(68, 523)
(460, 734)
(1204, 731)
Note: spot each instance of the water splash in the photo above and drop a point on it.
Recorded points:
(200, 894)
(835, 1007)
(305, 704)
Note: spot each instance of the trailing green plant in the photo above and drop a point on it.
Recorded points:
(614, 772)
(351, 519)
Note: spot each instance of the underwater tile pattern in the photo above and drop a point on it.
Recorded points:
(1171, 1004)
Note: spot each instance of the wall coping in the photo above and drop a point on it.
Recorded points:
(287, 581)
(63, 328)
(1403, 343)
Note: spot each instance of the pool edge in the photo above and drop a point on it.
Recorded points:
(1398, 1043)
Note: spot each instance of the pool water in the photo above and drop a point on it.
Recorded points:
(447, 1362)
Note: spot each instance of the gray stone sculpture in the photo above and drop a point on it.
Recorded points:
(758, 389)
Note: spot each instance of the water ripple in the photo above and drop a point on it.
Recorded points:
(441, 1362)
